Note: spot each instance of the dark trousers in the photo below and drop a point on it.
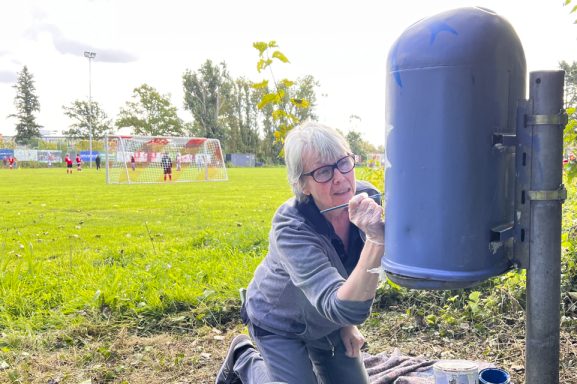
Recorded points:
(293, 361)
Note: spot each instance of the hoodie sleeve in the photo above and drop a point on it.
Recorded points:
(306, 256)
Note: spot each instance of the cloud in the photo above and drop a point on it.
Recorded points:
(66, 45)
(7, 77)
(113, 56)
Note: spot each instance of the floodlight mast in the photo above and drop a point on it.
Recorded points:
(90, 55)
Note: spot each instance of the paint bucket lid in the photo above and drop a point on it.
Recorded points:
(456, 366)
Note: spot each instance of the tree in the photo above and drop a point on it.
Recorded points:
(191, 129)
(356, 143)
(86, 118)
(207, 95)
(275, 115)
(150, 113)
(26, 103)
(270, 147)
(242, 135)
(570, 96)
(304, 89)
(570, 134)
(288, 108)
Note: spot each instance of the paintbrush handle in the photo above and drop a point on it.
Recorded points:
(346, 204)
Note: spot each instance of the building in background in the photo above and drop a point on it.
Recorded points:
(241, 159)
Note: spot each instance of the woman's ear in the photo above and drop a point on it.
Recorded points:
(305, 188)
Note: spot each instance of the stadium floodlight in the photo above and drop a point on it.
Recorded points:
(143, 159)
(90, 56)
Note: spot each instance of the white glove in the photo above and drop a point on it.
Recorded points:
(367, 215)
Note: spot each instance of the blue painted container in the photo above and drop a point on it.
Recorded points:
(453, 81)
(494, 376)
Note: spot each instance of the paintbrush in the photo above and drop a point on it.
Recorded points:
(346, 204)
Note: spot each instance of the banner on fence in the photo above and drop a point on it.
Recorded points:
(49, 157)
(5, 152)
(26, 154)
(85, 155)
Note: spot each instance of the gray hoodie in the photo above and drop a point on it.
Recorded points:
(294, 290)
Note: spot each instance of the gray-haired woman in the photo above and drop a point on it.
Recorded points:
(315, 284)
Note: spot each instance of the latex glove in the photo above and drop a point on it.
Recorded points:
(353, 340)
(367, 215)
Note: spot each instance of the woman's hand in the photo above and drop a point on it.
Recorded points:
(353, 340)
(367, 215)
(362, 282)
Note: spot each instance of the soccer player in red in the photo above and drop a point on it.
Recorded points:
(78, 162)
(68, 161)
(11, 161)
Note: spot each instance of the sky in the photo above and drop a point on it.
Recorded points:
(343, 44)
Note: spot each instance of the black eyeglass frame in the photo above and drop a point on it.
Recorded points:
(332, 168)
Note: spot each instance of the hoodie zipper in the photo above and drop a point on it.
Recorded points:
(332, 346)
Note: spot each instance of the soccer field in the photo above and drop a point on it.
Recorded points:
(73, 248)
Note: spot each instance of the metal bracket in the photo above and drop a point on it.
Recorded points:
(502, 232)
(527, 126)
(560, 194)
(558, 119)
(523, 184)
(506, 139)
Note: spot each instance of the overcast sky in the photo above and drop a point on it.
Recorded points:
(343, 44)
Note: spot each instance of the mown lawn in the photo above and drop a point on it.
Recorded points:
(138, 283)
(74, 249)
(126, 283)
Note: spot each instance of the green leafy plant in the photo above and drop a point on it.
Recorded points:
(279, 96)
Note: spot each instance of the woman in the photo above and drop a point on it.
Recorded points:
(316, 281)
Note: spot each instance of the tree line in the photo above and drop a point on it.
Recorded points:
(232, 110)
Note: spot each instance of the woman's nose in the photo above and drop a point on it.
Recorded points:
(337, 175)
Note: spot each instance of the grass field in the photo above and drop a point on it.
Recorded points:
(74, 249)
(138, 283)
(127, 283)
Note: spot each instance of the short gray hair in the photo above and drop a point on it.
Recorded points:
(326, 143)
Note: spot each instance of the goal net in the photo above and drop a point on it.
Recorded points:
(151, 159)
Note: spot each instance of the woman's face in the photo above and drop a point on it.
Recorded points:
(339, 190)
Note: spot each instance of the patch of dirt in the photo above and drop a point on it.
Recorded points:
(194, 356)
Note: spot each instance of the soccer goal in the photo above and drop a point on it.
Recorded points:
(151, 159)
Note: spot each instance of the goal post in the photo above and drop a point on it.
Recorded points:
(156, 159)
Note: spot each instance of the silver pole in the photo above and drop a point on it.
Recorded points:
(106, 157)
(546, 197)
(124, 159)
(90, 56)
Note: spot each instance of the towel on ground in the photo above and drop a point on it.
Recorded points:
(396, 368)
(385, 368)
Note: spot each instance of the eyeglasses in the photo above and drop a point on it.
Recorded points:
(325, 173)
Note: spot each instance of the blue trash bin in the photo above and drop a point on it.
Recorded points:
(453, 83)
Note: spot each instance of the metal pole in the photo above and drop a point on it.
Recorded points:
(90, 56)
(546, 196)
(106, 157)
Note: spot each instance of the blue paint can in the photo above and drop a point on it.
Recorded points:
(494, 376)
